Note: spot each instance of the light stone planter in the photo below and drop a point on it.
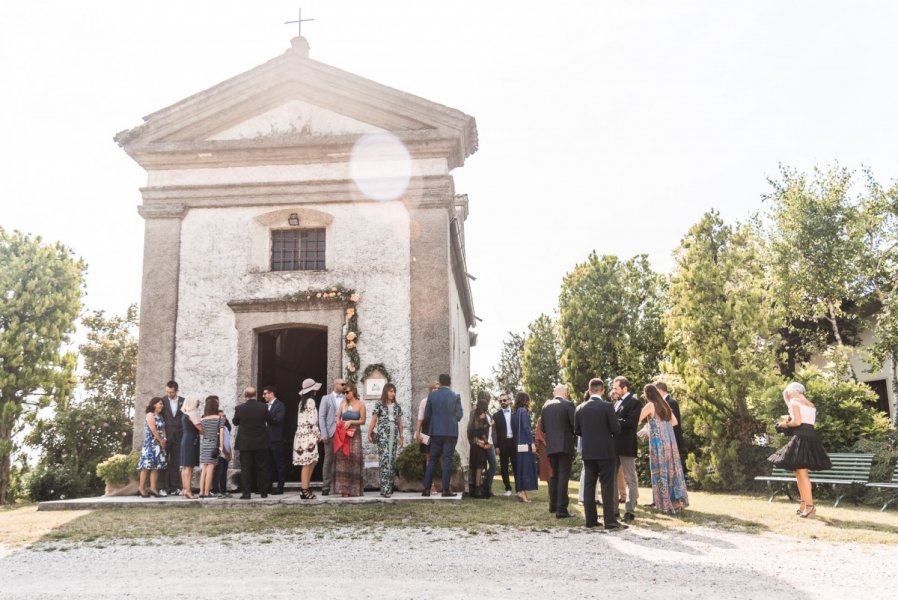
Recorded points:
(122, 489)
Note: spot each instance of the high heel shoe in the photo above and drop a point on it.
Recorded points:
(306, 494)
(152, 493)
(142, 494)
(808, 511)
(800, 509)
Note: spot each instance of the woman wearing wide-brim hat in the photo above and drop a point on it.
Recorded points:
(305, 442)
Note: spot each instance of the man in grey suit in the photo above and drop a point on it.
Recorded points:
(597, 425)
(327, 425)
(557, 423)
(443, 412)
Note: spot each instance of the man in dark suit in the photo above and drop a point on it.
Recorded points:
(596, 423)
(171, 412)
(443, 411)
(503, 440)
(276, 458)
(678, 428)
(252, 418)
(558, 424)
(627, 409)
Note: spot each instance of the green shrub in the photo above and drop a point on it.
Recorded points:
(118, 468)
(576, 467)
(52, 482)
(886, 452)
(410, 463)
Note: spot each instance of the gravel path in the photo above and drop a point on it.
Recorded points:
(440, 563)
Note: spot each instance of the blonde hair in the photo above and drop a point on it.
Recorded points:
(191, 408)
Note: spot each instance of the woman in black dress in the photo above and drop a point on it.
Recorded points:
(804, 451)
(478, 436)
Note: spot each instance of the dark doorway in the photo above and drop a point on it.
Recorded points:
(286, 357)
(881, 388)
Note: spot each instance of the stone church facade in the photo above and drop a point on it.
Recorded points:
(302, 221)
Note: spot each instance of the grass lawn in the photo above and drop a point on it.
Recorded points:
(20, 526)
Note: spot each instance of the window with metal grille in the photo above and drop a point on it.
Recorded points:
(297, 249)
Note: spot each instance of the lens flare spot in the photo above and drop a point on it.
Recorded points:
(381, 166)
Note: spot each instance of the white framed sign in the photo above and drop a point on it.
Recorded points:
(374, 386)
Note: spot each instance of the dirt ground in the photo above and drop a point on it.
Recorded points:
(446, 563)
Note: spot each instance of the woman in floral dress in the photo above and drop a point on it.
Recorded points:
(152, 456)
(386, 429)
(668, 480)
(305, 442)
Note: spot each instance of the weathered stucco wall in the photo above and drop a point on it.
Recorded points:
(367, 250)
(461, 367)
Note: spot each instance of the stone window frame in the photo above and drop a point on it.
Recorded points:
(301, 261)
(264, 224)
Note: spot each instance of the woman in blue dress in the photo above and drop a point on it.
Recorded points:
(152, 456)
(525, 462)
(191, 428)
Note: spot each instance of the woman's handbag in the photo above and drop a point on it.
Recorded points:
(522, 447)
(216, 451)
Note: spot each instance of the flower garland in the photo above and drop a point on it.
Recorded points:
(377, 367)
(338, 293)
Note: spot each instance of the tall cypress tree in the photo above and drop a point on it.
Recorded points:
(721, 325)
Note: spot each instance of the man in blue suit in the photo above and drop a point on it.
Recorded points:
(276, 458)
(443, 411)
(597, 425)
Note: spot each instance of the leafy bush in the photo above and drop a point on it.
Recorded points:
(410, 463)
(119, 468)
(52, 482)
(576, 467)
(886, 452)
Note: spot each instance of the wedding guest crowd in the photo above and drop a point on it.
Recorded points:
(603, 432)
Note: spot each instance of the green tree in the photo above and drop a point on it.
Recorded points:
(507, 373)
(721, 342)
(821, 257)
(881, 217)
(610, 320)
(40, 298)
(102, 413)
(540, 362)
(479, 384)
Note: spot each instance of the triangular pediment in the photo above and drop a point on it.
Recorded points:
(295, 118)
(293, 101)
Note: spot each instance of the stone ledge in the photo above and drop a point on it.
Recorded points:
(288, 500)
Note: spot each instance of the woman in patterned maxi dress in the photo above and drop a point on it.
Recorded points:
(386, 430)
(668, 480)
(349, 460)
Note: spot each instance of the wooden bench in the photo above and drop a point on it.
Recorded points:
(888, 485)
(848, 470)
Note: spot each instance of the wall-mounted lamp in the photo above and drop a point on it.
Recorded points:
(293, 220)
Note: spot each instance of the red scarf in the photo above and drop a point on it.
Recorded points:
(341, 440)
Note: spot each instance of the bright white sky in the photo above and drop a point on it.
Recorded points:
(607, 126)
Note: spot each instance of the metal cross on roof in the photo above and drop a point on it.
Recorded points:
(299, 21)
